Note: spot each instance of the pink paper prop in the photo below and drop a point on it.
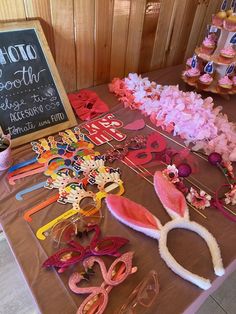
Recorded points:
(138, 218)
(104, 130)
(135, 125)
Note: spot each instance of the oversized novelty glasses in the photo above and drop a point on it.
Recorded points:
(88, 202)
(85, 203)
(66, 257)
(97, 301)
(52, 154)
(143, 296)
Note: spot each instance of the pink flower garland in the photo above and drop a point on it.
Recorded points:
(185, 114)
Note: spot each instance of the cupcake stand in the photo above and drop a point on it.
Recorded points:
(213, 64)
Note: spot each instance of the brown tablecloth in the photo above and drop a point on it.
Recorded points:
(50, 290)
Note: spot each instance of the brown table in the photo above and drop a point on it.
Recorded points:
(50, 289)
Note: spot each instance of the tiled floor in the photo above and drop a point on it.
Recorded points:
(20, 301)
(222, 300)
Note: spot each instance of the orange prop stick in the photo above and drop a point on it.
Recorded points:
(40, 206)
(24, 169)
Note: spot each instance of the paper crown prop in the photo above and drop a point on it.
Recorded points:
(140, 219)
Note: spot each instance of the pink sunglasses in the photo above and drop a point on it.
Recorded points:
(143, 296)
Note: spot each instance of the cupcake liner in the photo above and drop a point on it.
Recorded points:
(229, 25)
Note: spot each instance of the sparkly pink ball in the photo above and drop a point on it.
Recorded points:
(184, 170)
(214, 159)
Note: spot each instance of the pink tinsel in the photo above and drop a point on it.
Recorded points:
(185, 114)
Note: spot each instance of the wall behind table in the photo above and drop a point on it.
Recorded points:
(93, 41)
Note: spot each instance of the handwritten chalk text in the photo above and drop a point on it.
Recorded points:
(57, 117)
(24, 114)
(15, 105)
(17, 53)
(12, 130)
(26, 77)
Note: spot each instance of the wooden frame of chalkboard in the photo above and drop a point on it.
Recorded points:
(33, 101)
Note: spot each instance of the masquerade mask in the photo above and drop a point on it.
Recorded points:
(140, 219)
(155, 144)
(97, 301)
(76, 252)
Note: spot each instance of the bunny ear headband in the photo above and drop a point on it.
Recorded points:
(140, 219)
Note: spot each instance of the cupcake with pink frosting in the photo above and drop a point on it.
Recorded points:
(233, 79)
(205, 80)
(192, 75)
(225, 84)
(227, 54)
(219, 18)
(230, 23)
(208, 45)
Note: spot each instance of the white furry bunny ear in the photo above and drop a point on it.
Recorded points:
(172, 199)
(134, 215)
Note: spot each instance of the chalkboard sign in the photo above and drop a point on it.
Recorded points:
(33, 102)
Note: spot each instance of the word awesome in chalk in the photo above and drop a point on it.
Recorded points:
(16, 53)
(23, 77)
